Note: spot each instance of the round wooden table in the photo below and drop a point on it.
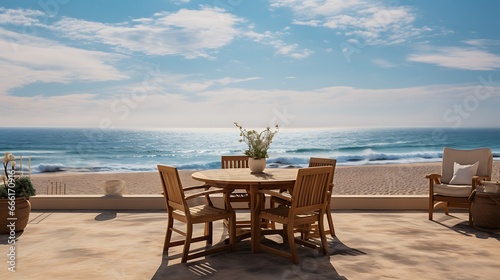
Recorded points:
(242, 178)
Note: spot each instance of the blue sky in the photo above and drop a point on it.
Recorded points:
(182, 63)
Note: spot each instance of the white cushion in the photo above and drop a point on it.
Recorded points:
(453, 190)
(462, 174)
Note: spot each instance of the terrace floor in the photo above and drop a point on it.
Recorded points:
(369, 245)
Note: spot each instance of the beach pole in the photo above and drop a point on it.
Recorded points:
(29, 166)
(21, 164)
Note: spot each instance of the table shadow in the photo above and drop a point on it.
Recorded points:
(242, 264)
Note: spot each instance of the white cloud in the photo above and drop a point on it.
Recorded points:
(282, 48)
(482, 42)
(373, 23)
(203, 85)
(383, 63)
(457, 57)
(322, 107)
(190, 33)
(19, 16)
(27, 59)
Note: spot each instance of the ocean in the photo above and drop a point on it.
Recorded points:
(121, 150)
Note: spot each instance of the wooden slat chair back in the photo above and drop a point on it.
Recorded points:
(172, 189)
(228, 162)
(315, 162)
(309, 231)
(310, 190)
(307, 205)
(179, 209)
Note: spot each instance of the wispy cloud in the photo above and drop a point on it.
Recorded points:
(23, 17)
(482, 42)
(466, 58)
(372, 23)
(27, 59)
(203, 85)
(190, 33)
(384, 63)
(282, 48)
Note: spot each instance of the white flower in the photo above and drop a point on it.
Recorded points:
(6, 158)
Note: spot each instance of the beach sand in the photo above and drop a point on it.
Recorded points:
(393, 179)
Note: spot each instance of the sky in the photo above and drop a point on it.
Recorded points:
(295, 63)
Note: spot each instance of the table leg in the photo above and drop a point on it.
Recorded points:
(253, 217)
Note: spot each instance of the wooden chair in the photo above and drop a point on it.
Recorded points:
(307, 205)
(311, 230)
(234, 162)
(452, 189)
(228, 162)
(178, 209)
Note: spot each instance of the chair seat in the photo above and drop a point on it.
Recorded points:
(282, 212)
(453, 190)
(203, 211)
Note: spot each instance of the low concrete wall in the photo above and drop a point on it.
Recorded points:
(156, 202)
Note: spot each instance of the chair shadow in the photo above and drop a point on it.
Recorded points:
(336, 247)
(242, 264)
(464, 229)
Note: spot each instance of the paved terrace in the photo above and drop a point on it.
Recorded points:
(72, 244)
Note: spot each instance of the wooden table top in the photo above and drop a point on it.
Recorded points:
(245, 177)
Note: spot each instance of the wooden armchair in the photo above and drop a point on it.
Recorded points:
(309, 230)
(178, 209)
(461, 170)
(307, 205)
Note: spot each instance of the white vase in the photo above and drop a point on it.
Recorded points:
(257, 165)
(114, 187)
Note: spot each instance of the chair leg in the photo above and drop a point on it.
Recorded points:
(291, 244)
(209, 232)
(431, 208)
(322, 235)
(446, 210)
(187, 244)
(168, 234)
(330, 223)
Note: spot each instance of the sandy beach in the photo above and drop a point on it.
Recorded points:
(397, 179)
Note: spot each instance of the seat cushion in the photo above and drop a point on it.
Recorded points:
(463, 173)
(453, 190)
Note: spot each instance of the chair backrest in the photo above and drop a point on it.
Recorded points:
(466, 157)
(311, 188)
(315, 162)
(172, 187)
(228, 162)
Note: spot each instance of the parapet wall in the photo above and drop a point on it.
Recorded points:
(156, 202)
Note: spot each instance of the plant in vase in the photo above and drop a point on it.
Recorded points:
(14, 194)
(258, 143)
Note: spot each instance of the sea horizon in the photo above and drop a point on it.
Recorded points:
(63, 149)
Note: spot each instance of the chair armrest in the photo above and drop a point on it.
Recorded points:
(476, 180)
(275, 194)
(434, 178)
(205, 193)
(481, 178)
(190, 188)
